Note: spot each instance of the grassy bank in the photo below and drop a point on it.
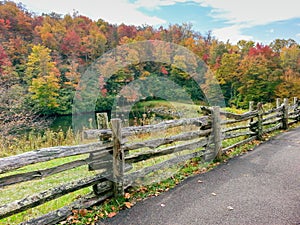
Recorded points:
(33, 140)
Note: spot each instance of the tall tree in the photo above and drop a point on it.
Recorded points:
(290, 62)
(258, 79)
(15, 116)
(42, 77)
(228, 76)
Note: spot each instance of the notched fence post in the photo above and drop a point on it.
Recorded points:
(102, 123)
(215, 145)
(285, 114)
(260, 121)
(118, 158)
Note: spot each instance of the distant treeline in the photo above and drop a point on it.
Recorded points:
(42, 58)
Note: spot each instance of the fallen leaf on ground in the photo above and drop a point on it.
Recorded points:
(112, 214)
(127, 196)
(203, 170)
(82, 212)
(101, 215)
(128, 204)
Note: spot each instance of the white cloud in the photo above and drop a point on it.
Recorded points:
(116, 11)
(231, 33)
(298, 35)
(254, 12)
(271, 30)
(248, 13)
(155, 4)
(238, 14)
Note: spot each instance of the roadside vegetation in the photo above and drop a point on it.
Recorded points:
(112, 206)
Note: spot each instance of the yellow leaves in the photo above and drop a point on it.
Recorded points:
(43, 78)
(144, 75)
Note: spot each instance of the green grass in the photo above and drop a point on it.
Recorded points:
(19, 191)
(184, 109)
(34, 141)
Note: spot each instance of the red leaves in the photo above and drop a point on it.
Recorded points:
(102, 88)
(71, 43)
(4, 24)
(4, 60)
(164, 70)
(260, 49)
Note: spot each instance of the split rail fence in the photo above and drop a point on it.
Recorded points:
(118, 160)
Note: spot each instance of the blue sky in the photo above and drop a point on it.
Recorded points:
(233, 20)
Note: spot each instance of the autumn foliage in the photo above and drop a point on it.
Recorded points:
(45, 55)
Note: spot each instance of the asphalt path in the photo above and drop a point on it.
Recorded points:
(259, 187)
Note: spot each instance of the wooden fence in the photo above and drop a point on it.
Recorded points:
(119, 158)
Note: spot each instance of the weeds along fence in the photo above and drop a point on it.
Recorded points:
(126, 156)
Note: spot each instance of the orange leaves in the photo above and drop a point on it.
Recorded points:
(127, 196)
(128, 205)
(112, 214)
(83, 212)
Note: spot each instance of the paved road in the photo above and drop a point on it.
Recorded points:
(262, 187)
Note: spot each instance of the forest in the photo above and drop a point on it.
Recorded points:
(42, 58)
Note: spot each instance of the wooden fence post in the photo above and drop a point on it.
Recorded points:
(295, 100)
(251, 103)
(285, 115)
(277, 103)
(102, 121)
(259, 121)
(118, 158)
(216, 131)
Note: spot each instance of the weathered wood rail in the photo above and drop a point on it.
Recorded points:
(120, 155)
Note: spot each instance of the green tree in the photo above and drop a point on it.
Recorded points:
(228, 76)
(245, 46)
(258, 80)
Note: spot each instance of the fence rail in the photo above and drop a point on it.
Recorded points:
(114, 159)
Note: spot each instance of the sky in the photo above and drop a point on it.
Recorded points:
(259, 20)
